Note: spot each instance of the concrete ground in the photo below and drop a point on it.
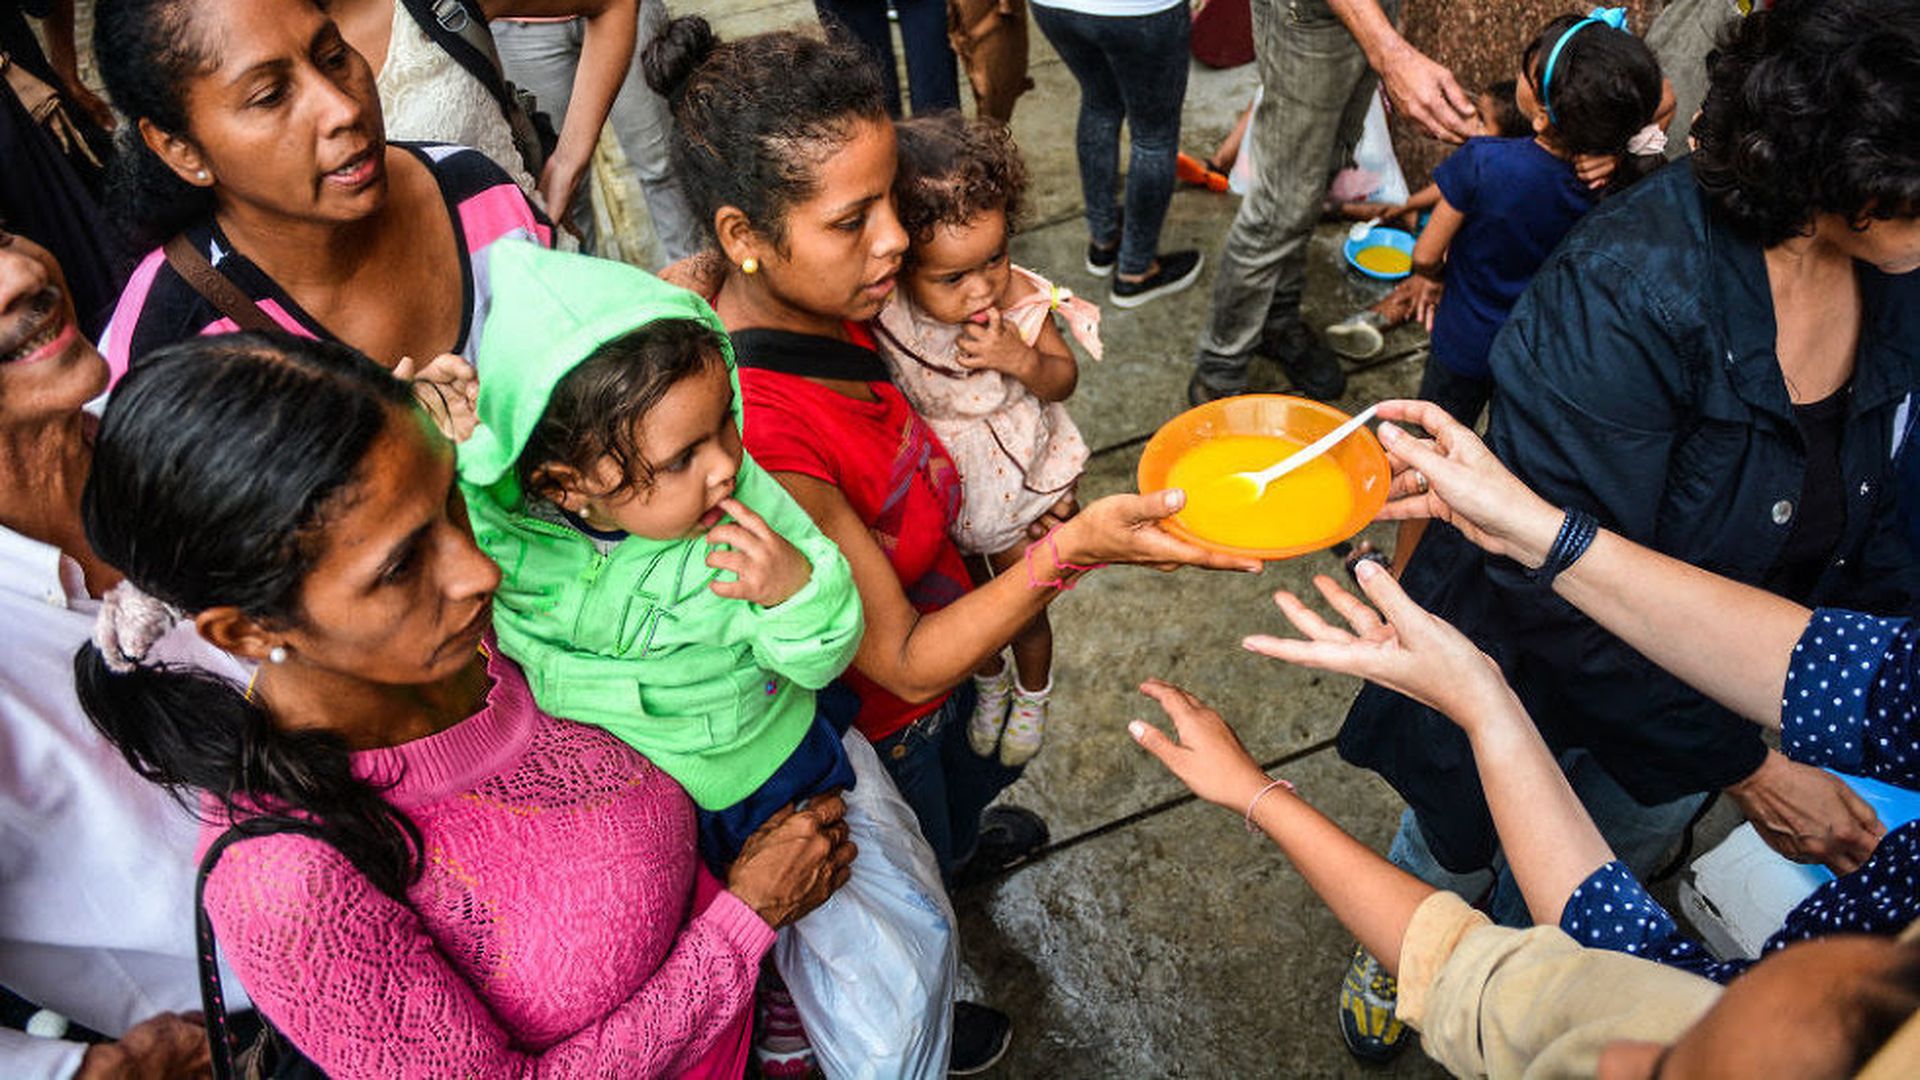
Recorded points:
(1155, 937)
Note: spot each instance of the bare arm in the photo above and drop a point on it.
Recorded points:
(58, 26)
(919, 657)
(1369, 895)
(1550, 842)
(1425, 91)
(1730, 641)
(606, 49)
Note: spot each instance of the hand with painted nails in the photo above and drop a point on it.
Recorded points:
(1401, 646)
(1453, 477)
(767, 569)
(1205, 754)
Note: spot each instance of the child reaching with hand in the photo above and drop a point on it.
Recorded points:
(659, 584)
(971, 345)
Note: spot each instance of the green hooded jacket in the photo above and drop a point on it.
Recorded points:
(717, 692)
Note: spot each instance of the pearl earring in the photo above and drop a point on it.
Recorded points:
(201, 175)
(751, 266)
(277, 655)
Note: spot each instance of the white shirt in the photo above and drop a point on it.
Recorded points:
(96, 864)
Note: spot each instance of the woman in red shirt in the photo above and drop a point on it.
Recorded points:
(794, 186)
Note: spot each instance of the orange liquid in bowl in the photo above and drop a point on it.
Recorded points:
(1308, 506)
(1384, 260)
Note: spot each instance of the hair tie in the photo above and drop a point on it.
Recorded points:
(1614, 17)
(1648, 140)
(129, 623)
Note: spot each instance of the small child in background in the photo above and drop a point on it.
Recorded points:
(1589, 88)
(970, 342)
(659, 584)
(1360, 335)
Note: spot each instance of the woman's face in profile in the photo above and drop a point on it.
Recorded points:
(1889, 245)
(397, 592)
(843, 244)
(287, 120)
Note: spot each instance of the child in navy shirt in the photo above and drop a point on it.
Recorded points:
(1589, 88)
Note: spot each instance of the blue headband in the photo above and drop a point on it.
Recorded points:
(1614, 17)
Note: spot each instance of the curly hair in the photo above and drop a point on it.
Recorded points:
(952, 170)
(1813, 108)
(757, 117)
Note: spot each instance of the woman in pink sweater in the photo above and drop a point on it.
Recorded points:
(474, 888)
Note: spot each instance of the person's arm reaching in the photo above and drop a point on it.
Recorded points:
(920, 657)
(606, 50)
(1424, 91)
(1729, 641)
(1550, 842)
(1369, 895)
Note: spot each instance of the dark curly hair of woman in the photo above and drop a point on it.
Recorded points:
(952, 170)
(1813, 108)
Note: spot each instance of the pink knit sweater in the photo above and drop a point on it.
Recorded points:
(557, 929)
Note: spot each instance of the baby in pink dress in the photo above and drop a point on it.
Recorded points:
(971, 343)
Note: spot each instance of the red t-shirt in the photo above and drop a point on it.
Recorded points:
(893, 472)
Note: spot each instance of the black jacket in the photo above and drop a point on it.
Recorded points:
(1637, 380)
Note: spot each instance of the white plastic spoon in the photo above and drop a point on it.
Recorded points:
(1361, 229)
(1300, 457)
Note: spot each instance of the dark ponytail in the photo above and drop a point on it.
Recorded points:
(214, 469)
(754, 118)
(1606, 88)
(147, 51)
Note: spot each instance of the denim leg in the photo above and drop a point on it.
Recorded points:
(1315, 85)
(933, 75)
(1409, 852)
(973, 782)
(642, 122)
(1097, 135)
(541, 59)
(866, 20)
(1151, 51)
(912, 757)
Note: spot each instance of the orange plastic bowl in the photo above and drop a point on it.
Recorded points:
(1359, 457)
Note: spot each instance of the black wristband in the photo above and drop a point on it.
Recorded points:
(1576, 534)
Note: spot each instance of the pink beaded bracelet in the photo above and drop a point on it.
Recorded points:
(1262, 794)
(1060, 568)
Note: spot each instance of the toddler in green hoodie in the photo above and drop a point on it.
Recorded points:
(657, 582)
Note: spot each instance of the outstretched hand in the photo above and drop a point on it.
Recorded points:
(1207, 757)
(1126, 529)
(1807, 814)
(1402, 646)
(1453, 477)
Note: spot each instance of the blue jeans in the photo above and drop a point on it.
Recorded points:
(1639, 835)
(542, 57)
(1132, 68)
(933, 77)
(1316, 87)
(946, 783)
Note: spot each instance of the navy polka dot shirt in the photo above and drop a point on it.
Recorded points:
(1853, 704)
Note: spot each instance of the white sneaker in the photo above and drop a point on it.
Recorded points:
(990, 708)
(1357, 336)
(1026, 725)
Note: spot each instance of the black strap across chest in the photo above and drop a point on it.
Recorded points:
(807, 355)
